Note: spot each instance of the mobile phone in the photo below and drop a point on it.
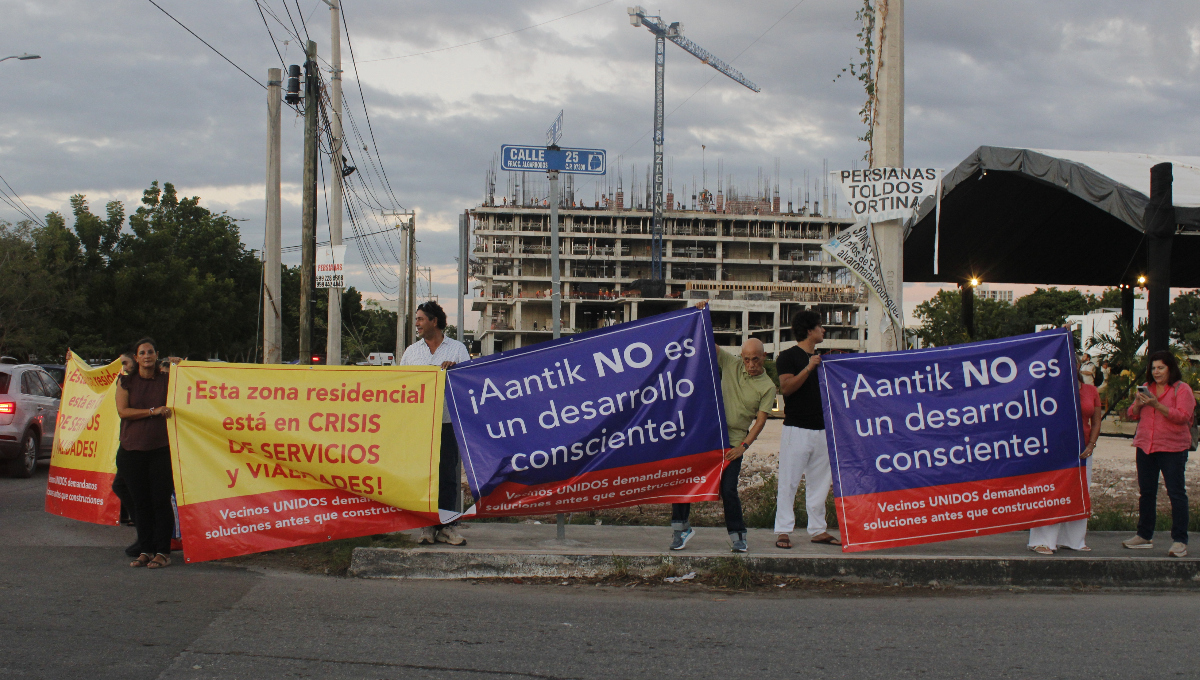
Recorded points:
(1143, 389)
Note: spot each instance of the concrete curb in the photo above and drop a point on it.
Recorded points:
(1126, 572)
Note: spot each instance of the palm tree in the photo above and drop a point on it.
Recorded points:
(1127, 364)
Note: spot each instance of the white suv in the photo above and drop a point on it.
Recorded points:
(29, 399)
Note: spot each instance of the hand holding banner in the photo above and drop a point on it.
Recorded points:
(620, 416)
(270, 456)
(949, 442)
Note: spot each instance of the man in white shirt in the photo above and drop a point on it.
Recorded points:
(435, 349)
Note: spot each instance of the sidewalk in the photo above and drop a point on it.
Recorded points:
(531, 550)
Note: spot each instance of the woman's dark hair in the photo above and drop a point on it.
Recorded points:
(1168, 359)
(803, 322)
(143, 341)
(434, 311)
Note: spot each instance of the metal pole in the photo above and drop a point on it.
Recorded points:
(555, 297)
(410, 332)
(401, 297)
(272, 302)
(463, 221)
(656, 243)
(309, 204)
(333, 337)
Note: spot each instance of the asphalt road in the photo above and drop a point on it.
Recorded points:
(70, 608)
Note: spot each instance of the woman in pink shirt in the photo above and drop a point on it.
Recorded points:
(1164, 408)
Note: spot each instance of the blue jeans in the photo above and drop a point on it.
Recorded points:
(1171, 466)
(729, 497)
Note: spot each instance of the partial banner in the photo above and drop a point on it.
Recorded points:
(625, 415)
(878, 194)
(269, 456)
(949, 442)
(86, 437)
(855, 248)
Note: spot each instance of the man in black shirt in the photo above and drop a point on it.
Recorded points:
(802, 448)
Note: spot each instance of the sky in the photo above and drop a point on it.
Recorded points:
(123, 95)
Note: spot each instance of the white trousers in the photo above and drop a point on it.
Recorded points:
(802, 453)
(1071, 535)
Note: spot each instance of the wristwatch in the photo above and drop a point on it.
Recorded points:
(746, 445)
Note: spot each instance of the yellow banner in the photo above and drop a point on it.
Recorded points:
(86, 437)
(267, 456)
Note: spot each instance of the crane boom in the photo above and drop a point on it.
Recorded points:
(708, 58)
(662, 33)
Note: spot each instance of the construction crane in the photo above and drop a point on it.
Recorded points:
(662, 33)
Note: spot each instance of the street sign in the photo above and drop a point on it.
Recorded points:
(555, 132)
(520, 158)
(331, 262)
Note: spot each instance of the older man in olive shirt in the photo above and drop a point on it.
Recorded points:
(749, 395)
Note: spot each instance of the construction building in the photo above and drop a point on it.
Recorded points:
(756, 265)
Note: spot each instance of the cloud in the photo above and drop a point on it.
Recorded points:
(123, 95)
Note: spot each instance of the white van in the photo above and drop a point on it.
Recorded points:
(381, 359)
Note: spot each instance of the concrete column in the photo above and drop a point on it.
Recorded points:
(745, 326)
(516, 316)
(778, 331)
(489, 336)
(888, 151)
(633, 311)
(573, 326)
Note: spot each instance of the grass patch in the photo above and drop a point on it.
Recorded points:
(1120, 519)
(759, 506)
(666, 568)
(732, 572)
(620, 568)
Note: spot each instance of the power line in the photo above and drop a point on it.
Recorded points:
(476, 42)
(27, 212)
(367, 113)
(256, 82)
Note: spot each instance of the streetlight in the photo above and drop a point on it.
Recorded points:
(23, 57)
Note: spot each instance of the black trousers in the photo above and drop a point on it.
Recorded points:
(449, 483)
(148, 476)
(121, 490)
(729, 498)
(1171, 467)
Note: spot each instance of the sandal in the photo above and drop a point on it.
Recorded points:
(141, 561)
(783, 542)
(827, 538)
(160, 560)
(1042, 550)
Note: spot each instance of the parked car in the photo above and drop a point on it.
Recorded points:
(29, 398)
(56, 371)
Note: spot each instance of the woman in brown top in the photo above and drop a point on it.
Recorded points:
(145, 456)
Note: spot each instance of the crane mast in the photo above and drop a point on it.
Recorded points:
(662, 33)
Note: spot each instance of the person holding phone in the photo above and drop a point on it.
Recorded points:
(1165, 409)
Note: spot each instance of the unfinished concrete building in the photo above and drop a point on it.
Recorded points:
(756, 265)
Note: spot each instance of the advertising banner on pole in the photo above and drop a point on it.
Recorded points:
(269, 456)
(950, 442)
(86, 437)
(331, 265)
(855, 248)
(879, 194)
(625, 415)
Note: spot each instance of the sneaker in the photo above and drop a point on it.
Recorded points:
(1137, 543)
(739, 542)
(427, 536)
(1177, 550)
(449, 534)
(681, 538)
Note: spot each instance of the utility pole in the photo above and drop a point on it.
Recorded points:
(410, 332)
(308, 218)
(405, 280)
(464, 235)
(272, 317)
(333, 340)
(887, 145)
(555, 274)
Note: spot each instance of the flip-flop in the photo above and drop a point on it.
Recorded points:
(783, 542)
(829, 539)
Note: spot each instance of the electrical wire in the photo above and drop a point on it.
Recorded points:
(366, 112)
(27, 212)
(256, 82)
(494, 37)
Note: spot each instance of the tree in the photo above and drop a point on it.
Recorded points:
(1185, 320)
(942, 317)
(1049, 306)
(28, 295)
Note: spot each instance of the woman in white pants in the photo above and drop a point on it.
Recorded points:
(1072, 535)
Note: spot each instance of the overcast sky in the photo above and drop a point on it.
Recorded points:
(123, 95)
